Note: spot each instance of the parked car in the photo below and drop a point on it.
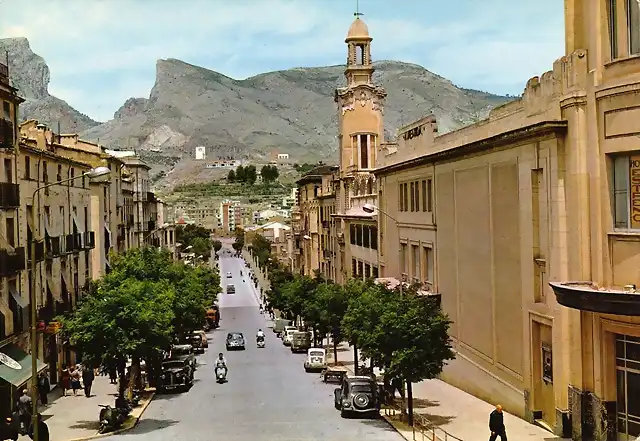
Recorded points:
(300, 341)
(357, 395)
(176, 374)
(235, 340)
(316, 360)
(183, 352)
(203, 336)
(229, 275)
(195, 341)
(231, 289)
(288, 335)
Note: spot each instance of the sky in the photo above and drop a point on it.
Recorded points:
(101, 52)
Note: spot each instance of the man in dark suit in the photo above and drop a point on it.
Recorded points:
(496, 425)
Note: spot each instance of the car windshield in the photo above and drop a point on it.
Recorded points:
(316, 354)
(234, 337)
(172, 364)
(359, 388)
(180, 351)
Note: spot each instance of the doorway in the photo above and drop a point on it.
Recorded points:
(544, 403)
(627, 387)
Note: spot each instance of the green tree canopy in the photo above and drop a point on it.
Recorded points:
(269, 173)
(231, 176)
(202, 247)
(241, 176)
(186, 234)
(251, 174)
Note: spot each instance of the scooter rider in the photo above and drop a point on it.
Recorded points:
(222, 362)
(260, 335)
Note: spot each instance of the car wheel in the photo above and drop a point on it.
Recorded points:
(306, 369)
(344, 413)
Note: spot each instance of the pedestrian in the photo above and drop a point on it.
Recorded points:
(10, 429)
(43, 430)
(496, 425)
(75, 379)
(44, 387)
(88, 376)
(113, 373)
(24, 407)
(65, 379)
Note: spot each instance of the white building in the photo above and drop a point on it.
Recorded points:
(201, 152)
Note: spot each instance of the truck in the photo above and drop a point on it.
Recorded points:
(279, 326)
(300, 341)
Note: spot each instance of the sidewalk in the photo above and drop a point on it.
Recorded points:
(76, 417)
(455, 411)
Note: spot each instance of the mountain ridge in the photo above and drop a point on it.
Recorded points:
(288, 111)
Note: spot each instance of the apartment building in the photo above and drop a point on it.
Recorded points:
(59, 219)
(14, 293)
(206, 216)
(145, 213)
(231, 215)
(526, 225)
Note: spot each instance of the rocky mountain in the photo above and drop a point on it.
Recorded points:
(30, 74)
(290, 111)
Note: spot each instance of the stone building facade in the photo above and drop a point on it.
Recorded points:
(525, 224)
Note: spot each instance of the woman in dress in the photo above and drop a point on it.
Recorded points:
(75, 379)
(65, 379)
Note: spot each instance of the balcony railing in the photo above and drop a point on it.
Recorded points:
(89, 240)
(52, 246)
(39, 251)
(6, 134)
(12, 261)
(9, 195)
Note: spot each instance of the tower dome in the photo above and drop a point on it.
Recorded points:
(358, 31)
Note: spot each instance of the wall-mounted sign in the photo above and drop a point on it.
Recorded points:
(10, 362)
(413, 133)
(634, 187)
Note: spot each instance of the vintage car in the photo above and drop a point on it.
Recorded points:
(300, 341)
(203, 336)
(235, 340)
(316, 360)
(231, 289)
(212, 318)
(183, 352)
(195, 341)
(229, 275)
(176, 374)
(357, 395)
(287, 335)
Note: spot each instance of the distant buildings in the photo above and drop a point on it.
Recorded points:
(201, 153)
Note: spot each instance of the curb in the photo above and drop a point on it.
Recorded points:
(129, 424)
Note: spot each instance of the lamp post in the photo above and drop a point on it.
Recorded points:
(92, 174)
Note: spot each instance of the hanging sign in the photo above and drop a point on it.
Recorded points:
(9, 362)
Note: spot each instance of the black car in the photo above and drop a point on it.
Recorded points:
(357, 395)
(235, 340)
(176, 374)
(184, 352)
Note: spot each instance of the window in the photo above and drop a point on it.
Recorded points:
(86, 219)
(613, 29)
(374, 238)
(8, 170)
(360, 54)
(10, 231)
(359, 235)
(59, 174)
(364, 151)
(626, 192)
(405, 196)
(367, 270)
(633, 25)
(374, 272)
(360, 268)
(354, 268)
(352, 234)
(27, 167)
(6, 110)
(413, 196)
(428, 264)
(415, 253)
(628, 386)
(45, 174)
(403, 258)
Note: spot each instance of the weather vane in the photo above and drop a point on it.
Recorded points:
(357, 14)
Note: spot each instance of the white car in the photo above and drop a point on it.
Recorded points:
(229, 275)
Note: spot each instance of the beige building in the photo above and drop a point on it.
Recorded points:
(62, 229)
(526, 225)
(14, 293)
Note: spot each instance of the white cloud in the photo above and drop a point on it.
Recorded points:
(497, 42)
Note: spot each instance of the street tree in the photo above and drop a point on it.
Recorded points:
(231, 176)
(217, 246)
(202, 247)
(269, 173)
(250, 174)
(186, 234)
(240, 174)
(332, 302)
(116, 322)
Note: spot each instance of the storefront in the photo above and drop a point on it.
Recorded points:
(15, 373)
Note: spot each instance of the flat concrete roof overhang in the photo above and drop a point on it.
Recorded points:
(586, 296)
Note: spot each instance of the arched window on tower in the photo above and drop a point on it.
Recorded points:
(359, 54)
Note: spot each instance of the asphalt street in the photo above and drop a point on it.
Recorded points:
(268, 395)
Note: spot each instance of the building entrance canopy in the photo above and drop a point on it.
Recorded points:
(15, 365)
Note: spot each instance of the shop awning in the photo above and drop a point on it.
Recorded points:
(15, 365)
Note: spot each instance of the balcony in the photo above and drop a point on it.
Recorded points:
(12, 261)
(130, 220)
(39, 250)
(9, 195)
(325, 224)
(89, 240)
(151, 197)
(52, 246)
(6, 134)
(587, 296)
(73, 243)
(152, 225)
(138, 227)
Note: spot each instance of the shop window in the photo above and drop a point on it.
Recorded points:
(628, 386)
(633, 26)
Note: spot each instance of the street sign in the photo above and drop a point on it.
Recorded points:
(53, 328)
(9, 362)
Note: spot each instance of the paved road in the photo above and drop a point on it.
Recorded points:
(268, 397)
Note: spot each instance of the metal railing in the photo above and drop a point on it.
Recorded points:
(422, 429)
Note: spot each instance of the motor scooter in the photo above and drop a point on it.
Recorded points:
(260, 342)
(111, 418)
(221, 374)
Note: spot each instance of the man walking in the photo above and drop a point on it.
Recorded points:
(496, 425)
(87, 378)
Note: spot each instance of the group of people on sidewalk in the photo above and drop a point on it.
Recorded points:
(72, 376)
(21, 421)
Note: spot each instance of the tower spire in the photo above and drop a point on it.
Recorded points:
(357, 14)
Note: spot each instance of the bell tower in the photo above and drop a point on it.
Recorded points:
(359, 105)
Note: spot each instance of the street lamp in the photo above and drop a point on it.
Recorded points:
(93, 174)
(370, 208)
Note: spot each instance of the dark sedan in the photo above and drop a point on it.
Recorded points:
(235, 340)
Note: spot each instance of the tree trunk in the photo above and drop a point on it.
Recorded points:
(335, 351)
(133, 376)
(356, 366)
(122, 386)
(410, 403)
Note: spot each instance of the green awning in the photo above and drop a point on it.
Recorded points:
(9, 372)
